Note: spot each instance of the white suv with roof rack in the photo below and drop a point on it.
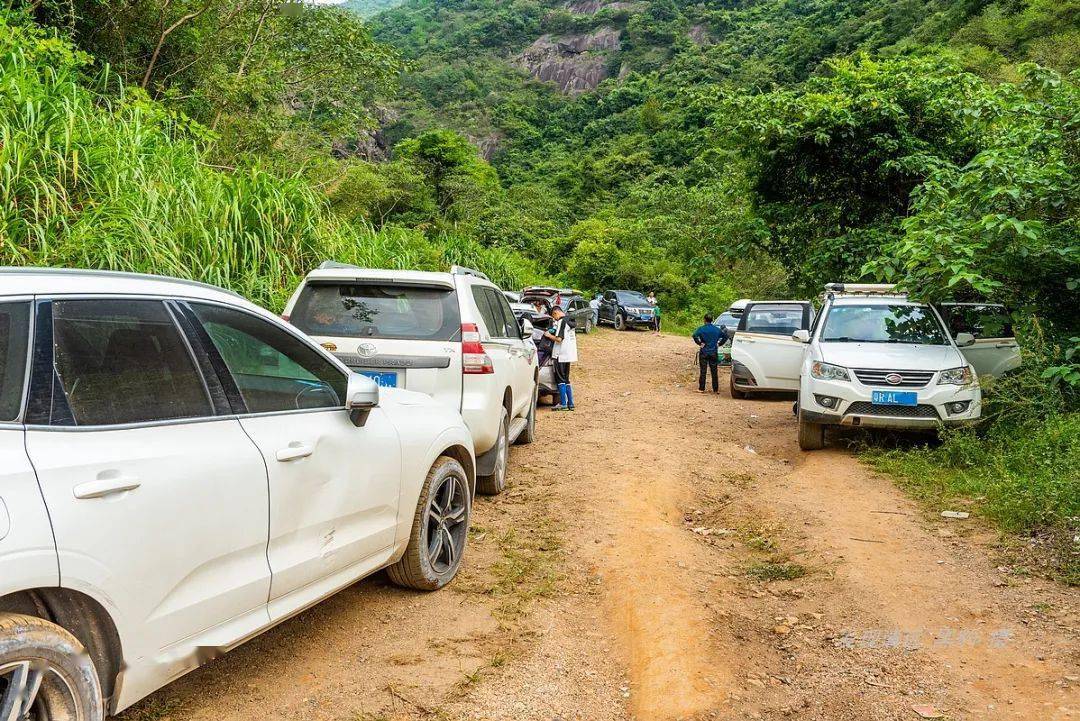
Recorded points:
(876, 358)
(871, 357)
(450, 335)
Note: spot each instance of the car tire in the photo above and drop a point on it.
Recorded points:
(620, 322)
(495, 484)
(735, 392)
(529, 434)
(425, 567)
(69, 688)
(811, 435)
(588, 326)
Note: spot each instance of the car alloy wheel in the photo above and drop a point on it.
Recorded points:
(32, 690)
(447, 517)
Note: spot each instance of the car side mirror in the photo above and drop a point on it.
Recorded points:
(963, 340)
(361, 395)
(802, 335)
(526, 327)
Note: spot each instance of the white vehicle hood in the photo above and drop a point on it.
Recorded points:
(402, 397)
(892, 356)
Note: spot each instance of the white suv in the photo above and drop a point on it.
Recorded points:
(875, 358)
(180, 470)
(450, 335)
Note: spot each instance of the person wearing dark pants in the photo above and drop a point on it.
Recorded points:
(563, 354)
(709, 338)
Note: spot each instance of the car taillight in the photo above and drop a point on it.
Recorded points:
(473, 357)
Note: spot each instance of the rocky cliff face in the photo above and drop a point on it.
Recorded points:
(574, 63)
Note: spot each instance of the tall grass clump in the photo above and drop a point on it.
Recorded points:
(95, 175)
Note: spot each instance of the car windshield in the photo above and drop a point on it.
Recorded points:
(881, 323)
(727, 320)
(631, 297)
(377, 310)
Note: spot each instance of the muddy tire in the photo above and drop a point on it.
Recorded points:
(45, 673)
(440, 529)
(811, 435)
(588, 326)
(620, 322)
(735, 392)
(495, 484)
(529, 434)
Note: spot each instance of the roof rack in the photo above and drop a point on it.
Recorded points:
(97, 273)
(863, 288)
(462, 270)
(334, 265)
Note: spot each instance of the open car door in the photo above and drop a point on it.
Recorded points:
(764, 356)
(995, 350)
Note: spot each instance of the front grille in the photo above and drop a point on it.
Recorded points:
(909, 379)
(865, 408)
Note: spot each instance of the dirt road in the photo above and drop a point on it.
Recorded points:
(660, 555)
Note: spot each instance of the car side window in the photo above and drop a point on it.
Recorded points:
(14, 336)
(124, 361)
(274, 370)
(981, 321)
(509, 323)
(487, 311)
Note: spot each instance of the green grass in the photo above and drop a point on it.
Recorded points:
(94, 175)
(776, 570)
(1024, 478)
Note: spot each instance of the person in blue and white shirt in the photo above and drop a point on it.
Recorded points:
(563, 354)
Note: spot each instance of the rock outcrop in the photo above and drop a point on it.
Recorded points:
(575, 63)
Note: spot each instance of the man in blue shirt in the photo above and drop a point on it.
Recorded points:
(709, 338)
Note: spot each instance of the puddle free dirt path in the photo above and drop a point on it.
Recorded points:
(667, 555)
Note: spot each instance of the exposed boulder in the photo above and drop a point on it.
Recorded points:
(699, 34)
(575, 63)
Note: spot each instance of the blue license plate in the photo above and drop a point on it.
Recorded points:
(894, 398)
(386, 380)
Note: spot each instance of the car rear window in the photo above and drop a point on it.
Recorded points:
(772, 319)
(378, 310)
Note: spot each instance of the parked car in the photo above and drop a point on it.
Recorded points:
(995, 350)
(568, 299)
(875, 358)
(512, 296)
(764, 356)
(450, 335)
(180, 470)
(626, 309)
(533, 325)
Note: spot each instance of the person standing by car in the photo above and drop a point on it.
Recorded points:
(651, 297)
(709, 338)
(563, 354)
(595, 305)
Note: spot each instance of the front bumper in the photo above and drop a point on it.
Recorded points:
(853, 405)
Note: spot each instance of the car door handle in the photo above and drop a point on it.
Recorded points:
(295, 451)
(105, 487)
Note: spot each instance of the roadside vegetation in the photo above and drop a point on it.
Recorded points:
(734, 150)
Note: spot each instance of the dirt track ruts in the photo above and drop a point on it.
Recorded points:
(660, 555)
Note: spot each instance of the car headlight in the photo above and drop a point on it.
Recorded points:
(955, 376)
(828, 372)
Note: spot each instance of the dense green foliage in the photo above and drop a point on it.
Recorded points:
(98, 179)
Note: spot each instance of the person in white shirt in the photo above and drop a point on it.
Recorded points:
(595, 305)
(563, 354)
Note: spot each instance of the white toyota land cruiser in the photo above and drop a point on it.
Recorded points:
(450, 335)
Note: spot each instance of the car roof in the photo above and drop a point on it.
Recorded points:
(34, 281)
(400, 276)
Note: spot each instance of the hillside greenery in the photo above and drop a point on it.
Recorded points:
(737, 148)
